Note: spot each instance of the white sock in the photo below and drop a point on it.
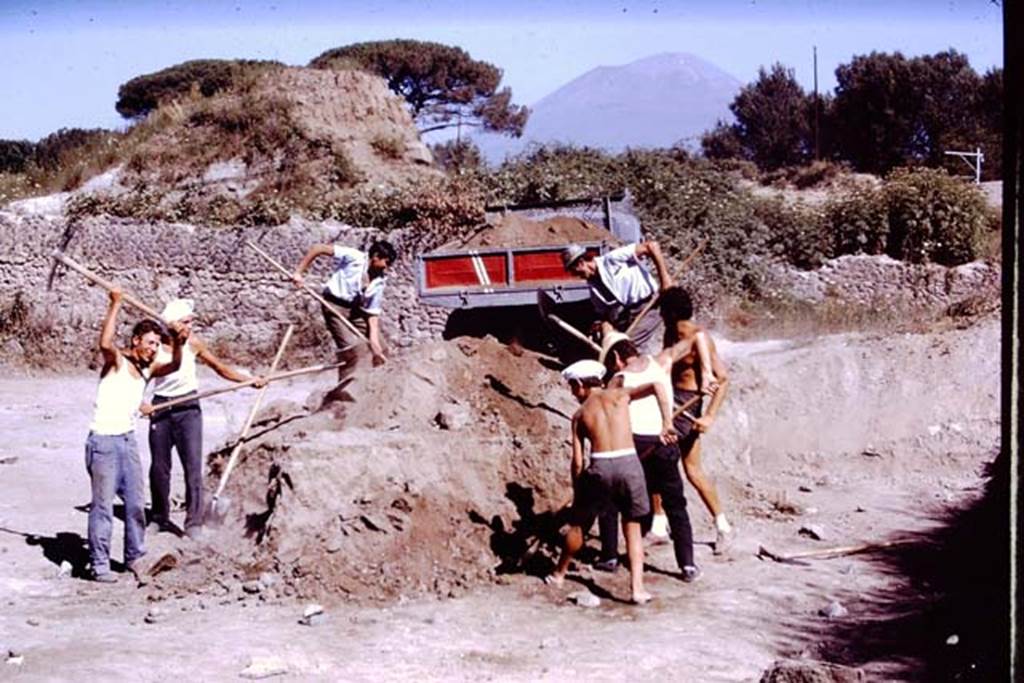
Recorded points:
(722, 524)
(659, 525)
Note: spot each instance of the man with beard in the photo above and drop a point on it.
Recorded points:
(111, 453)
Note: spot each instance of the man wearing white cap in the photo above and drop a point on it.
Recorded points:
(614, 475)
(620, 285)
(181, 426)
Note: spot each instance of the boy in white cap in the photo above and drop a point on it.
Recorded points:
(614, 475)
(181, 427)
(620, 285)
(111, 453)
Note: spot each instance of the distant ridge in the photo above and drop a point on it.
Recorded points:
(656, 101)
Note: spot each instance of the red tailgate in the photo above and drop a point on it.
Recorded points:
(464, 270)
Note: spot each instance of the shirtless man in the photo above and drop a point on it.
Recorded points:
(615, 473)
(676, 311)
(111, 453)
(659, 460)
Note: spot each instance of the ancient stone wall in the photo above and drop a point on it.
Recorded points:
(243, 304)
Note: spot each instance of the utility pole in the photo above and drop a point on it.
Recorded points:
(817, 147)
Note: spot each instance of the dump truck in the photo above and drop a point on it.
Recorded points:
(493, 275)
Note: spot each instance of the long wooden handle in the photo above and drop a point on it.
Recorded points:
(236, 451)
(105, 284)
(574, 332)
(247, 383)
(312, 292)
(681, 409)
(657, 297)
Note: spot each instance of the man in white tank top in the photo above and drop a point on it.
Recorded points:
(660, 461)
(181, 427)
(111, 453)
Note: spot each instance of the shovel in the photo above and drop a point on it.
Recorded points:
(547, 306)
(220, 504)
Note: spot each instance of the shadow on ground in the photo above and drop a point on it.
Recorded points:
(945, 616)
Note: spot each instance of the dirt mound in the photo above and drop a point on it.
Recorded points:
(285, 137)
(511, 230)
(415, 487)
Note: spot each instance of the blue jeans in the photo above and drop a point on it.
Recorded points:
(115, 469)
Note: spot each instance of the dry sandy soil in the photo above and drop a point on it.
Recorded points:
(424, 541)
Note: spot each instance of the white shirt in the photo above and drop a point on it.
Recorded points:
(117, 400)
(628, 281)
(644, 413)
(346, 283)
(181, 381)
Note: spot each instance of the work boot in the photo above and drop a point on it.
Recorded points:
(723, 540)
(607, 565)
(690, 573)
(105, 577)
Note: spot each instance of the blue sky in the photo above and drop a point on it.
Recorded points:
(63, 61)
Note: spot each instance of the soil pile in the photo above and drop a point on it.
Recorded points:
(511, 230)
(423, 484)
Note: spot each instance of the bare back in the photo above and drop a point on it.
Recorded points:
(604, 420)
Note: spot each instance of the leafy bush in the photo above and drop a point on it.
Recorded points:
(857, 222)
(145, 93)
(15, 155)
(796, 232)
(934, 217)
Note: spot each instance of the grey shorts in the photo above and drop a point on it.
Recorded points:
(617, 482)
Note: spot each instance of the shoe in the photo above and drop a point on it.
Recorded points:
(105, 577)
(690, 574)
(609, 565)
(723, 541)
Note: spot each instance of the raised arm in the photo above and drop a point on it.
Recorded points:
(179, 336)
(653, 249)
(207, 356)
(315, 252)
(108, 345)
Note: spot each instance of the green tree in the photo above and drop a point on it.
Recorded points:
(722, 142)
(15, 155)
(443, 85)
(892, 111)
(143, 94)
(771, 119)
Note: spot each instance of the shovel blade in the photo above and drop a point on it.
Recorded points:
(218, 510)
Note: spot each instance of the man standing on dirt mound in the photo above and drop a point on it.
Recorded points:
(111, 453)
(181, 426)
(614, 476)
(356, 286)
(620, 286)
(676, 309)
(660, 460)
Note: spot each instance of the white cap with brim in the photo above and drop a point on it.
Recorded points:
(610, 339)
(177, 309)
(583, 369)
(571, 254)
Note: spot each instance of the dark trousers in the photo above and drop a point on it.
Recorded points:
(181, 428)
(661, 469)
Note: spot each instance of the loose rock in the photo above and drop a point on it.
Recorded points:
(834, 610)
(584, 599)
(810, 671)
(261, 666)
(815, 531)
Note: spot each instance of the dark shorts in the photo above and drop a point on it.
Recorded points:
(617, 482)
(684, 427)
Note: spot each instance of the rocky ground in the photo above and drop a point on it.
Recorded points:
(419, 518)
